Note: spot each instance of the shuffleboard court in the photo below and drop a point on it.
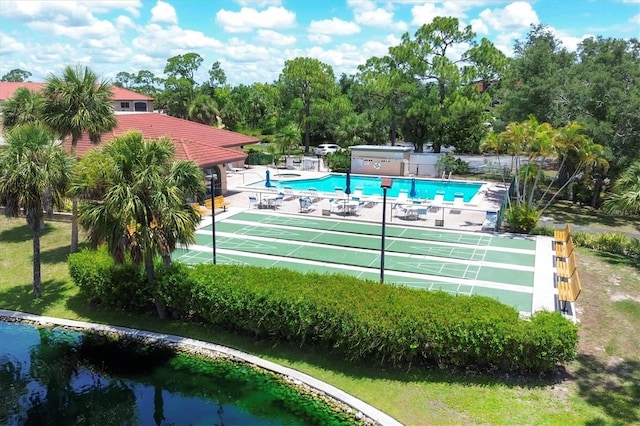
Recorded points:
(431, 259)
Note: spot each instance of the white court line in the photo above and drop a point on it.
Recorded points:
(425, 257)
(374, 269)
(447, 244)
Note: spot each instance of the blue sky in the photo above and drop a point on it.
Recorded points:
(253, 38)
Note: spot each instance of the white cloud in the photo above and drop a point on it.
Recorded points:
(71, 12)
(9, 45)
(244, 52)
(333, 26)
(319, 38)
(124, 23)
(95, 29)
(568, 41)
(424, 14)
(163, 13)
(259, 3)
(248, 19)
(275, 38)
(515, 16)
(479, 27)
(367, 13)
(160, 42)
(635, 19)
(506, 40)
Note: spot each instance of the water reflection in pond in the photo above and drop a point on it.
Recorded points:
(57, 376)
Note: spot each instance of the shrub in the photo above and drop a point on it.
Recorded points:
(358, 319)
(256, 157)
(521, 218)
(103, 281)
(607, 242)
(366, 320)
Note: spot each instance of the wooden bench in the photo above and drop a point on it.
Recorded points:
(201, 210)
(567, 266)
(565, 250)
(562, 235)
(569, 290)
(218, 202)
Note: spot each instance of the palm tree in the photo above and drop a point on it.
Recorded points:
(625, 198)
(203, 109)
(76, 103)
(32, 165)
(23, 108)
(288, 137)
(136, 200)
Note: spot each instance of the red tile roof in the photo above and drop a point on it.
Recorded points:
(203, 144)
(7, 89)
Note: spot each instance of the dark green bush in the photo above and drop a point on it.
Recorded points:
(256, 157)
(103, 281)
(365, 320)
(361, 320)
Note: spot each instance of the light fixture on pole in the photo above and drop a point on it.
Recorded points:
(212, 180)
(385, 184)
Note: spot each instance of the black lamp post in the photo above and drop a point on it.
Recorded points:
(385, 184)
(212, 180)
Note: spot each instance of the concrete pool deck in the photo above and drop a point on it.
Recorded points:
(468, 217)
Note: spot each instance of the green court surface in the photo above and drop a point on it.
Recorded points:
(426, 258)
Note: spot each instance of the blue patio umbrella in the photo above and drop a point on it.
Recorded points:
(412, 191)
(347, 189)
(268, 182)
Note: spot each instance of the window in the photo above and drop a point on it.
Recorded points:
(124, 105)
(140, 106)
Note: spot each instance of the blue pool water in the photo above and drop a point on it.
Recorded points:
(425, 188)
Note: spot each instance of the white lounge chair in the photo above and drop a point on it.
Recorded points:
(306, 205)
(288, 193)
(314, 195)
(232, 169)
(401, 202)
(458, 203)
(490, 221)
(253, 202)
(438, 201)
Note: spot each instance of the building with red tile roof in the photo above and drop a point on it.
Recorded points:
(212, 149)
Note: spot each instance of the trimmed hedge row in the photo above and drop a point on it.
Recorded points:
(365, 320)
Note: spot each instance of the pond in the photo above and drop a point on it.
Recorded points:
(61, 376)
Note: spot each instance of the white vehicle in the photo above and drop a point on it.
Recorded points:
(326, 148)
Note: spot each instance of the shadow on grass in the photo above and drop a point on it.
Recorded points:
(615, 389)
(566, 212)
(20, 234)
(616, 259)
(58, 254)
(20, 298)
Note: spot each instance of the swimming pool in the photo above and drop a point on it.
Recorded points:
(370, 185)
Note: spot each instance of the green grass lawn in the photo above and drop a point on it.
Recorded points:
(576, 214)
(600, 388)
